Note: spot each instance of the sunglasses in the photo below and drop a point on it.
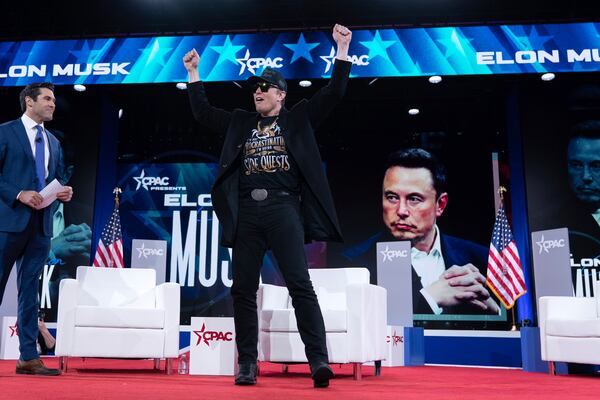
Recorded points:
(264, 86)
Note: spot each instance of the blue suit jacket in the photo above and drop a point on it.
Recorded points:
(455, 251)
(17, 173)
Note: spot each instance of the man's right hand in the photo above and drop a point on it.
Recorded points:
(30, 198)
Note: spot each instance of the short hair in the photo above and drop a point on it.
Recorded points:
(589, 129)
(33, 90)
(419, 158)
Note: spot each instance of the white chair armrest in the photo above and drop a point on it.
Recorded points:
(168, 299)
(272, 297)
(563, 307)
(68, 295)
(367, 322)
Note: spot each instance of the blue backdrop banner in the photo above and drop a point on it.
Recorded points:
(499, 49)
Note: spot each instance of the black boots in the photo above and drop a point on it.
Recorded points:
(246, 374)
(321, 373)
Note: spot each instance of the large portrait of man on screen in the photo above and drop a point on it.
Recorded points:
(565, 193)
(448, 272)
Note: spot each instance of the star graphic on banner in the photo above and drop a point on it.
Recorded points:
(14, 330)
(454, 44)
(301, 49)
(155, 53)
(534, 41)
(329, 59)
(140, 179)
(541, 245)
(227, 51)
(243, 62)
(85, 54)
(141, 251)
(199, 334)
(377, 46)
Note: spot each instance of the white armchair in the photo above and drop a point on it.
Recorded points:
(354, 311)
(117, 313)
(570, 329)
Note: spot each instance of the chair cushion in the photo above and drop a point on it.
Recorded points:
(331, 300)
(107, 317)
(573, 328)
(117, 287)
(284, 320)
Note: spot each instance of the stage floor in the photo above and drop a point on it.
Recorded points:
(135, 379)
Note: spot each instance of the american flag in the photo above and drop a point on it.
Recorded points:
(505, 274)
(110, 246)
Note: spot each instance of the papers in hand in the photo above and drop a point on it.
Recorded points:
(49, 193)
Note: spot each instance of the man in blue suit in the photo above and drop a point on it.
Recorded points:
(448, 272)
(30, 158)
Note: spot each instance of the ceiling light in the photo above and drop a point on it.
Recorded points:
(548, 76)
(435, 79)
(120, 113)
(181, 85)
(79, 88)
(305, 83)
(413, 111)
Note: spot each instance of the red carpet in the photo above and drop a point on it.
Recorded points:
(125, 379)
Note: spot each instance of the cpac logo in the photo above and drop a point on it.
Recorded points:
(394, 338)
(145, 181)
(145, 252)
(545, 245)
(256, 63)
(209, 336)
(354, 59)
(389, 255)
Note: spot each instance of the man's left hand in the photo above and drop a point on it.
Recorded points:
(65, 194)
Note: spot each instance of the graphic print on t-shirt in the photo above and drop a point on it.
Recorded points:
(265, 150)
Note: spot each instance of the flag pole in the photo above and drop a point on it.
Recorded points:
(514, 326)
(501, 191)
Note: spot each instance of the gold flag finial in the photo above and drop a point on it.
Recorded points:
(117, 191)
(501, 191)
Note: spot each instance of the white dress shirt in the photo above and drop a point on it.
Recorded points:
(429, 267)
(30, 128)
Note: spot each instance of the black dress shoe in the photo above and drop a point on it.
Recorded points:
(246, 374)
(35, 367)
(321, 373)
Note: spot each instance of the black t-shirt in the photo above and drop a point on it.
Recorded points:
(266, 162)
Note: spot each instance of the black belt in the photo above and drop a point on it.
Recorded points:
(263, 194)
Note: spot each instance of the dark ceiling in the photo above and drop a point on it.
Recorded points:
(67, 18)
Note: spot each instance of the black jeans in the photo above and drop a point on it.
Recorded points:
(275, 224)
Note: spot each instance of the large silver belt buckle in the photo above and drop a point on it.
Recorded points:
(259, 194)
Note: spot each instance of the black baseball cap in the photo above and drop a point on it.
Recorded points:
(271, 76)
